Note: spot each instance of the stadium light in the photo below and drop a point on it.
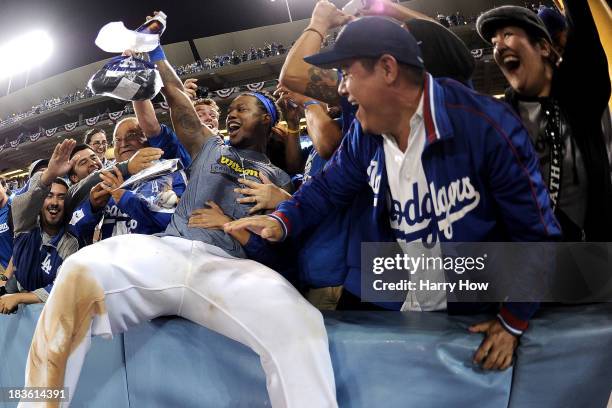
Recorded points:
(288, 9)
(24, 53)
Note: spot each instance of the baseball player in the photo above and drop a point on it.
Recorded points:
(199, 274)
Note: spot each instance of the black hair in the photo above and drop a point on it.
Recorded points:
(61, 181)
(414, 75)
(77, 149)
(90, 132)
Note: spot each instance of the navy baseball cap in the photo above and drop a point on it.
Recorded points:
(370, 37)
(552, 19)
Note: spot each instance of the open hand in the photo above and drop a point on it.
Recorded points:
(266, 195)
(262, 225)
(212, 217)
(143, 159)
(60, 162)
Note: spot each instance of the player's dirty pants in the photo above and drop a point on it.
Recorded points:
(119, 282)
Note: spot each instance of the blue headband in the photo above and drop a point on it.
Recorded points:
(268, 105)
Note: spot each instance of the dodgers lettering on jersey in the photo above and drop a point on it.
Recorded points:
(374, 174)
(417, 217)
(453, 202)
(143, 211)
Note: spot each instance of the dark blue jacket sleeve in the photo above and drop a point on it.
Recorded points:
(515, 180)
(172, 147)
(335, 187)
(83, 223)
(521, 195)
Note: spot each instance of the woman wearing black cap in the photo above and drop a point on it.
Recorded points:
(561, 101)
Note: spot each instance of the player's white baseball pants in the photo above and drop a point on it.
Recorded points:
(122, 281)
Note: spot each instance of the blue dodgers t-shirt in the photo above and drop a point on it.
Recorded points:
(6, 234)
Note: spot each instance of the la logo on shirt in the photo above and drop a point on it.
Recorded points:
(46, 264)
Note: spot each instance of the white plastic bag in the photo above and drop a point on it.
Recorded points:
(115, 37)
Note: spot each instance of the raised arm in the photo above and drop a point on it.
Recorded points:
(145, 112)
(303, 78)
(147, 120)
(28, 204)
(191, 133)
(324, 132)
(292, 113)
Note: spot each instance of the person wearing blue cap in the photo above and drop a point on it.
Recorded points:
(196, 272)
(556, 25)
(444, 55)
(438, 163)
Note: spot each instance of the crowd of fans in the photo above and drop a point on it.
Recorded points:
(459, 19)
(232, 58)
(47, 105)
(209, 63)
(265, 200)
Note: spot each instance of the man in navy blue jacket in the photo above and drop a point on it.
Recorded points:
(465, 159)
(44, 233)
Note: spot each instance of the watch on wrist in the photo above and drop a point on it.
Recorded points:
(3, 277)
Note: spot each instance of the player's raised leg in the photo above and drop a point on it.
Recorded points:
(102, 290)
(256, 306)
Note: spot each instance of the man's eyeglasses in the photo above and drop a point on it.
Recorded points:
(132, 135)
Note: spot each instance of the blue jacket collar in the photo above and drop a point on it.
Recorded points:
(437, 123)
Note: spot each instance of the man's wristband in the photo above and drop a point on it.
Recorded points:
(314, 30)
(157, 54)
(3, 277)
(309, 103)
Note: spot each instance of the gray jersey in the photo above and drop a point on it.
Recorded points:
(213, 176)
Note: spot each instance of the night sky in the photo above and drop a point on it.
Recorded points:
(73, 24)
